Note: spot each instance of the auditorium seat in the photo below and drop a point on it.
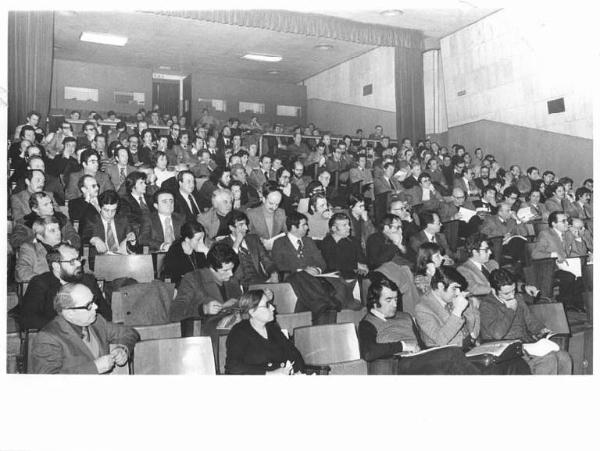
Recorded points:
(183, 356)
(284, 297)
(331, 345)
(111, 267)
(158, 331)
(351, 316)
(540, 273)
(553, 316)
(132, 306)
(291, 321)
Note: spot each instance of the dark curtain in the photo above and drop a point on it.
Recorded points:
(309, 25)
(410, 100)
(30, 51)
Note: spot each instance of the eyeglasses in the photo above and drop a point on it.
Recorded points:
(485, 249)
(267, 305)
(73, 261)
(87, 306)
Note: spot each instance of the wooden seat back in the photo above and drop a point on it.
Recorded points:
(111, 267)
(284, 297)
(327, 344)
(126, 307)
(190, 355)
(291, 321)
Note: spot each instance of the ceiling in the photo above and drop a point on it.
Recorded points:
(187, 46)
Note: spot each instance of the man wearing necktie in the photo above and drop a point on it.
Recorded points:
(163, 226)
(77, 341)
(185, 200)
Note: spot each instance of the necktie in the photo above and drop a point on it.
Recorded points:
(433, 240)
(485, 272)
(195, 210)
(143, 204)
(122, 175)
(85, 334)
(111, 242)
(562, 204)
(300, 249)
(169, 237)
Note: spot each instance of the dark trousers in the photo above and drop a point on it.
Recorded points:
(449, 360)
(570, 289)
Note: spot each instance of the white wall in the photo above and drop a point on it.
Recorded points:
(436, 120)
(511, 63)
(344, 82)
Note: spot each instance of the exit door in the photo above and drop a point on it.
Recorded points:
(165, 94)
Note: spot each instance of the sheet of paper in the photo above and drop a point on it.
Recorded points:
(495, 348)
(525, 214)
(465, 214)
(424, 351)
(540, 348)
(572, 265)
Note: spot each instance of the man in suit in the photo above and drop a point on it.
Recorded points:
(505, 316)
(466, 182)
(444, 315)
(220, 178)
(83, 208)
(476, 270)
(268, 220)
(77, 341)
(204, 292)
(299, 179)
(554, 243)
(386, 183)
(581, 208)
(109, 231)
(52, 182)
(426, 194)
(256, 265)
(31, 258)
(137, 203)
(65, 266)
(187, 202)
(163, 226)
(214, 219)
(431, 224)
(119, 171)
(91, 164)
(556, 199)
(19, 202)
(386, 244)
(258, 177)
(506, 224)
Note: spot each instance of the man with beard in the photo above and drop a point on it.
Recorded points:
(66, 266)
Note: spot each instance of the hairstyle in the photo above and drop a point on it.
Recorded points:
(293, 219)
(156, 156)
(145, 131)
(30, 172)
(68, 139)
(551, 190)
(24, 129)
(489, 188)
(181, 174)
(234, 216)
(553, 217)
(533, 190)
(98, 136)
(447, 275)
(159, 192)
(263, 156)
(40, 223)
(548, 173)
(387, 221)
(249, 301)
(500, 278)
(222, 254)
(270, 186)
(530, 170)
(510, 191)
(354, 199)
(586, 181)
(312, 204)
(64, 298)
(280, 171)
(54, 255)
(86, 154)
(132, 178)
(34, 200)
(216, 174)
(190, 228)
(81, 182)
(108, 197)
(378, 283)
(427, 217)
(580, 192)
(337, 217)
(565, 180)
(424, 175)
(424, 254)
(473, 242)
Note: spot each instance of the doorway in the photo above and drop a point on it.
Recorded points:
(165, 94)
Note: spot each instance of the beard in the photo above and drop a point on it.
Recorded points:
(76, 277)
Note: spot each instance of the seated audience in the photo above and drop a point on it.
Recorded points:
(90, 162)
(31, 258)
(429, 258)
(431, 224)
(342, 252)
(162, 226)
(384, 332)
(580, 238)
(556, 199)
(298, 179)
(385, 245)
(121, 168)
(258, 177)
(290, 192)
(213, 220)
(256, 345)
(65, 266)
(187, 253)
(77, 340)
(505, 316)
(361, 226)
(19, 202)
(267, 221)
(137, 202)
(82, 208)
(220, 178)
(187, 200)
(582, 208)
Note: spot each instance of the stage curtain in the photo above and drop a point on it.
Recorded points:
(410, 101)
(30, 53)
(309, 25)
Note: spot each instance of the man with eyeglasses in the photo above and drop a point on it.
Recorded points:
(90, 162)
(505, 316)
(78, 341)
(65, 267)
(431, 226)
(89, 133)
(173, 137)
(555, 243)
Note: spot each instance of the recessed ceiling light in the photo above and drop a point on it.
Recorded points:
(261, 57)
(323, 47)
(164, 67)
(103, 38)
(391, 12)
(273, 72)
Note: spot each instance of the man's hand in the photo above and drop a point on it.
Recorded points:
(164, 247)
(105, 363)
(362, 269)
(312, 271)
(100, 246)
(212, 307)
(273, 278)
(130, 236)
(120, 355)
(460, 304)
(409, 347)
(448, 261)
(531, 290)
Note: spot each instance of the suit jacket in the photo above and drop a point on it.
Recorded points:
(72, 191)
(134, 212)
(181, 205)
(580, 211)
(82, 211)
(31, 261)
(256, 264)
(210, 221)
(19, 204)
(37, 308)
(286, 257)
(94, 227)
(547, 242)
(198, 288)
(440, 327)
(553, 204)
(492, 226)
(539, 211)
(113, 173)
(381, 185)
(447, 210)
(59, 349)
(380, 249)
(479, 285)
(498, 322)
(22, 231)
(420, 238)
(151, 232)
(257, 178)
(433, 203)
(462, 184)
(258, 223)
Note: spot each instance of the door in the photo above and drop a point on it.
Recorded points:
(165, 94)
(187, 100)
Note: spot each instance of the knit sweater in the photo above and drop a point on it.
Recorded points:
(380, 339)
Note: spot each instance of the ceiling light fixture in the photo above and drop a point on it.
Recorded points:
(323, 47)
(391, 12)
(263, 58)
(273, 72)
(103, 38)
(164, 67)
